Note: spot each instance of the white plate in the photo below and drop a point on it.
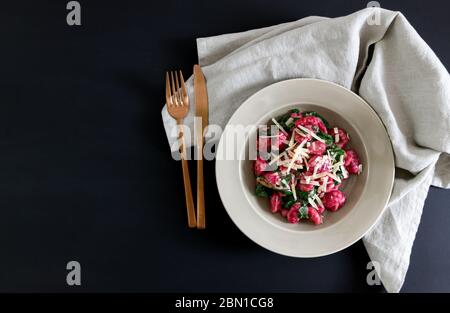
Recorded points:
(367, 194)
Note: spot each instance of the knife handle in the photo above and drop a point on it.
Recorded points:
(201, 224)
(187, 181)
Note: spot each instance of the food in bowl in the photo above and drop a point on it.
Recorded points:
(301, 164)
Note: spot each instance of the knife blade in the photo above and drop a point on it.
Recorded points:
(201, 114)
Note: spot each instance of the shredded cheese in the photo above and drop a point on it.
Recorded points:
(334, 177)
(277, 158)
(291, 141)
(294, 193)
(324, 184)
(313, 134)
(319, 202)
(279, 126)
(314, 183)
(319, 175)
(296, 155)
(344, 171)
(306, 164)
(285, 184)
(313, 204)
(289, 121)
(302, 143)
(297, 167)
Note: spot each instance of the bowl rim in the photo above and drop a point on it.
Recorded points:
(389, 159)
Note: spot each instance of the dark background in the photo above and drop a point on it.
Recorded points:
(86, 173)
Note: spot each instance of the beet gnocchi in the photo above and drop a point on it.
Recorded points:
(301, 164)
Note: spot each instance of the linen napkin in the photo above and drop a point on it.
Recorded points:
(377, 54)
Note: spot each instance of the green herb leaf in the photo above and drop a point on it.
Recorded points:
(329, 140)
(304, 195)
(336, 152)
(283, 119)
(288, 204)
(286, 192)
(287, 201)
(262, 191)
(287, 178)
(303, 212)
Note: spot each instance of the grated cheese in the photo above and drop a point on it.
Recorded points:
(285, 184)
(324, 184)
(297, 167)
(279, 126)
(306, 164)
(313, 204)
(302, 143)
(344, 172)
(314, 183)
(334, 177)
(294, 193)
(277, 158)
(289, 121)
(313, 134)
(320, 175)
(337, 165)
(291, 141)
(296, 155)
(319, 202)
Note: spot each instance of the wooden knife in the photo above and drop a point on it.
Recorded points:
(201, 111)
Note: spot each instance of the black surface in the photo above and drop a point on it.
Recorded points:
(86, 174)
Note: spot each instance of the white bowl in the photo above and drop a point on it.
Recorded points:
(367, 194)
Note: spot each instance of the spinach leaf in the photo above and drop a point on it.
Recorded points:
(286, 192)
(283, 119)
(262, 191)
(329, 140)
(341, 177)
(303, 212)
(336, 152)
(288, 204)
(287, 201)
(304, 195)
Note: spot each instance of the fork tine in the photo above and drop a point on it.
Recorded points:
(168, 98)
(174, 90)
(177, 85)
(183, 86)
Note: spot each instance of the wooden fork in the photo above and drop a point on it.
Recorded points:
(178, 107)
